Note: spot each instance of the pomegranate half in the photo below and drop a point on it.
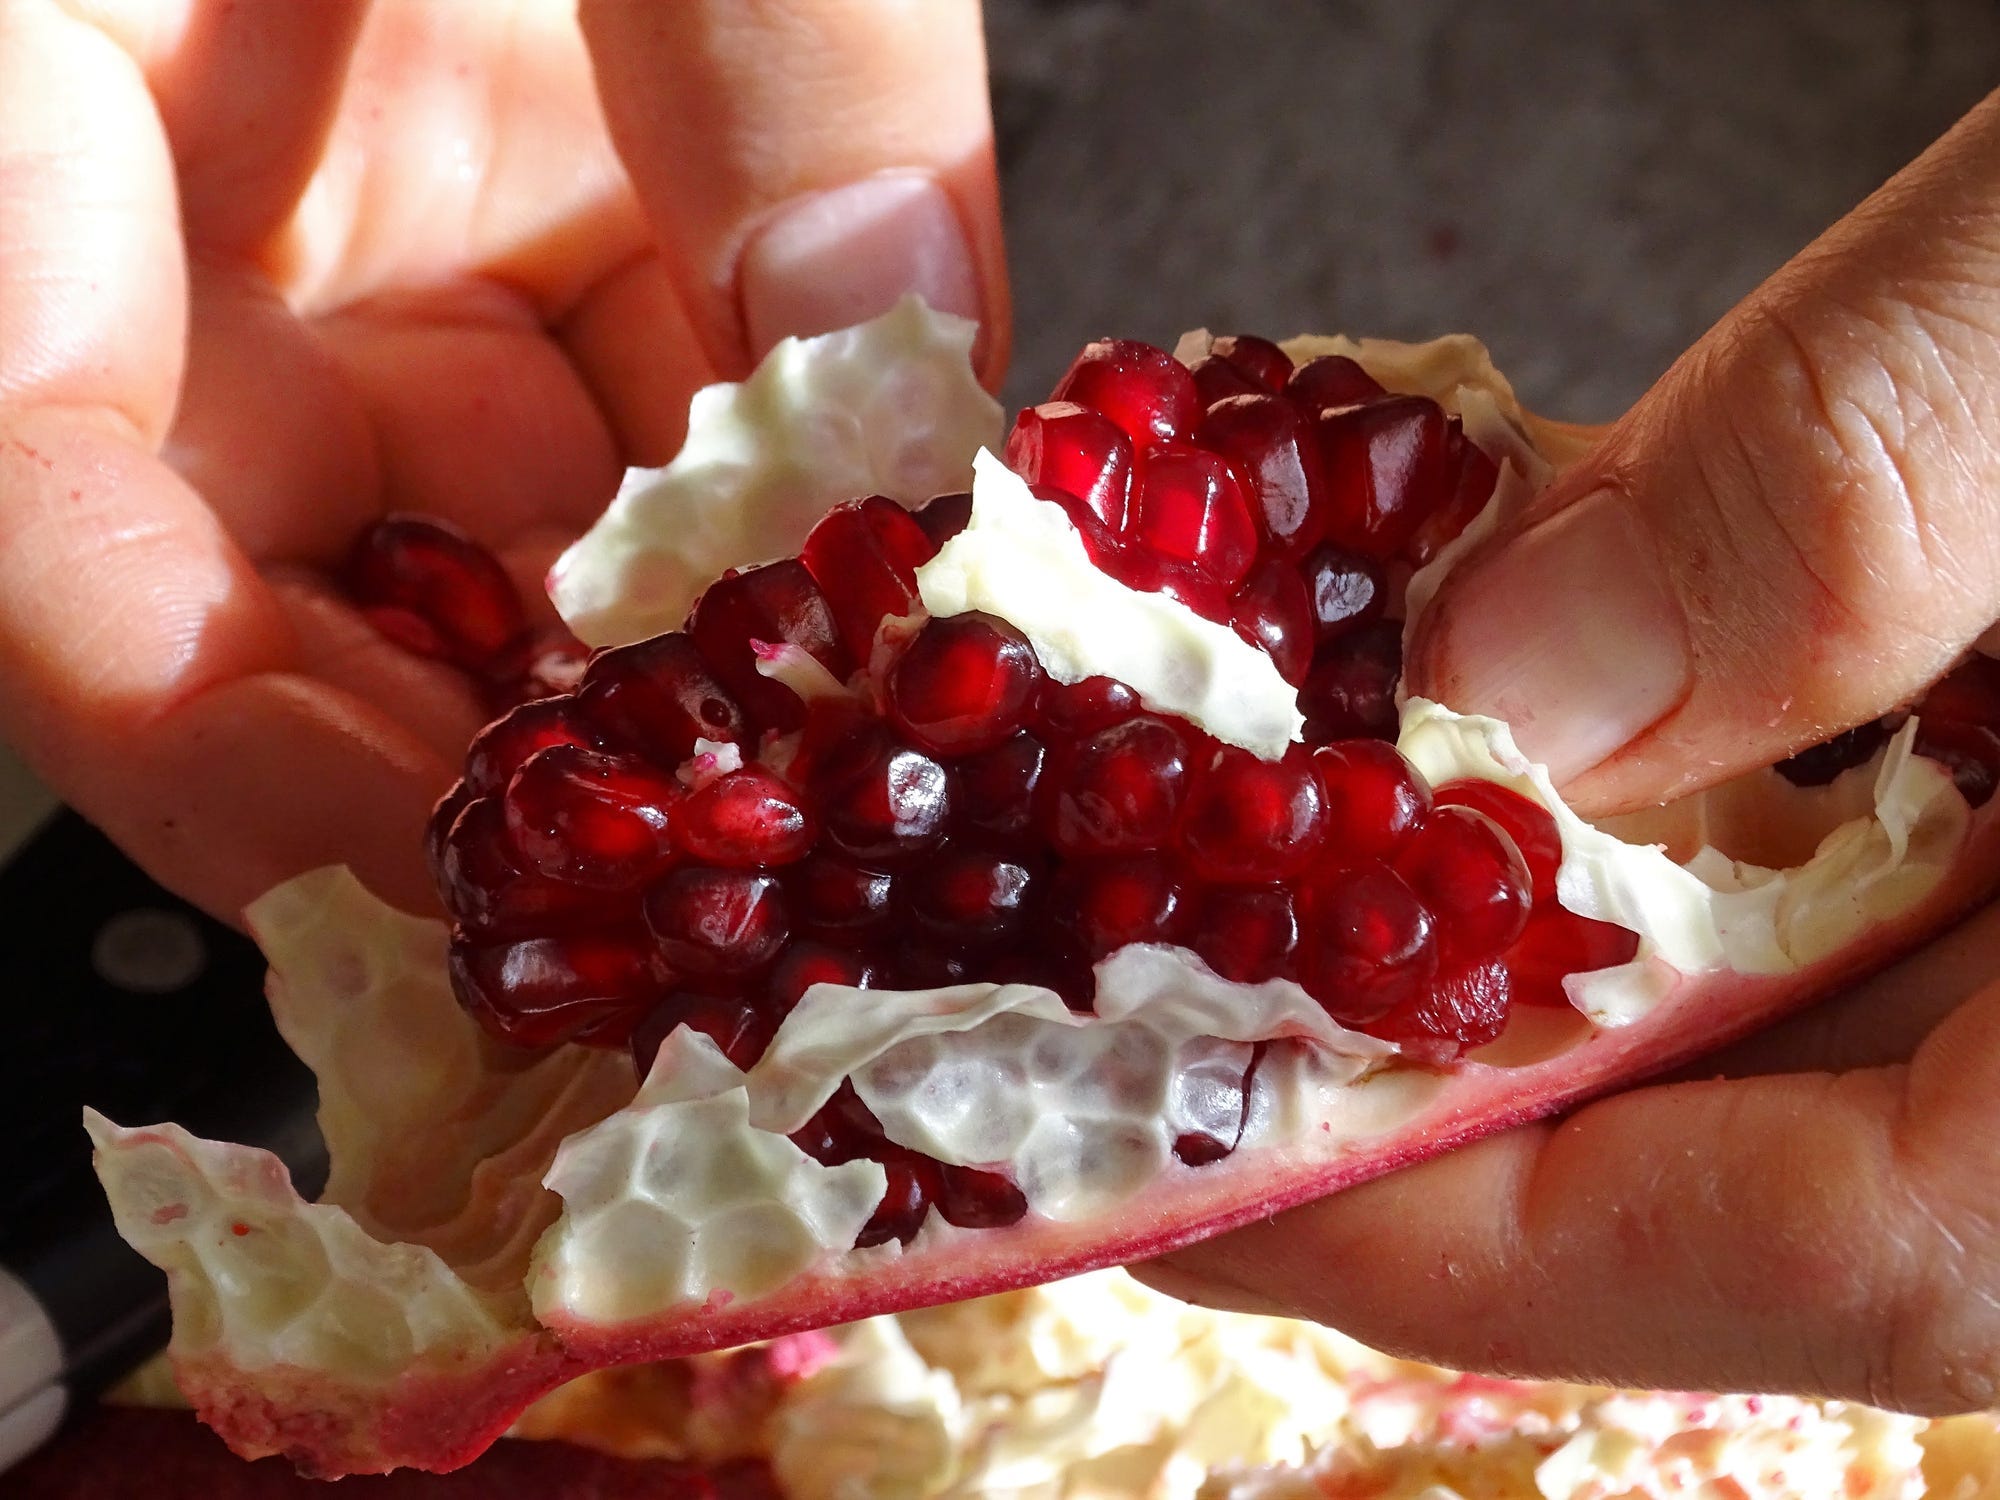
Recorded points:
(1000, 884)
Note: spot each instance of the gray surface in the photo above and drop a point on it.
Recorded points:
(1585, 185)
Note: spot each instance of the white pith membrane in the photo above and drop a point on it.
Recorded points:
(436, 1250)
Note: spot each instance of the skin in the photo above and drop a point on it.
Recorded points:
(270, 272)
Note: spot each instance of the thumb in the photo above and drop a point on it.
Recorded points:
(804, 163)
(1794, 532)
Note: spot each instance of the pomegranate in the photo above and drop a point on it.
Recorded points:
(993, 887)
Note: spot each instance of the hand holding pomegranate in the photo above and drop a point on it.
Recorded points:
(268, 272)
(1794, 532)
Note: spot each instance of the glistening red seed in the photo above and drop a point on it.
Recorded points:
(1970, 752)
(839, 899)
(739, 1029)
(1350, 690)
(1375, 800)
(972, 1199)
(717, 923)
(1476, 476)
(746, 818)
(434, 574)
(1120, 790)
(659, 696)
(1192, 511)
(588, 817)
(972, 896)
(541, 991)
(1272, 447)
(882, 800)
(1344, 590)
(485, 887)
(776, 602)
(1246, 933)
(965, 683)
(1366, 944)
(1105, 904)
(912, 1180)
(1145, 390)
(1527, 823)
(1458, 1011)
(1216, 379)
(1466, 870)
(1065, 447)
(1273, 612)
(997, 786)
(1556, 943)
(1251, 821)
(806, 964)
(1260, 359)
(943, 517)
(1385, 472)
(864, 555)
(1069, 709)
(1331, 380)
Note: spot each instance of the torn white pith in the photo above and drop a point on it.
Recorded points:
(439, 1142)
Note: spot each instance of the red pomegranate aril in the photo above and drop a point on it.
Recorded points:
(1192, 509)
(1197, 1148)
(1065, 447)
(437, 574)
(882, 800)
(1465, 868)
(659, 696)
(1556, 943)
(485, 888)
(1216, 379)
(1374, 798)
(443, 815)
(1108, 903)
(905, 1200)
(1350, 692)
(747, 818)
(972, 1199)
(1143, 569)
(943, 517)
(996, 787)
(1273, 612)
(1120, 790)
(973, 896)
(927, 966)
(717, 923)
(1385, 472)
(1272, 447)
(1477, 474)
(1331, 380)
(1527, 823)
(1246, 933)
(864, 556)
(1343, 590)
(1251, 821)
(964, 683)
(1260, 359)
(839, 899)
(544, 990)
(1970, 752)
(591, 818)
(1145, 390)
(540, 664)
(1968, 694)
(1459, 1011)
(776, 602)
(1072, 709)
(1099, 544)
(805, 964)
(1366, 944)
(739, 1029)
(1823, 762)
(503, 747)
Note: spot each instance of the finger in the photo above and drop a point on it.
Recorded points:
(92, 308)
(247, 94)
(1793, 532)
(1809, 1233)
(804, 163)
(631, 341)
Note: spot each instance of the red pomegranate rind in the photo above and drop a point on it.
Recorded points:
(101, 1455)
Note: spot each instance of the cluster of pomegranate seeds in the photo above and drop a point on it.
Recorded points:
(436, 592)
(783, 793)
(1958, 726)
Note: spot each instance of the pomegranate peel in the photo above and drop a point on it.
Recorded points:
(585, 1223)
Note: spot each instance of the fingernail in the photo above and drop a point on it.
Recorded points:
(832, 259)
(1569, 633)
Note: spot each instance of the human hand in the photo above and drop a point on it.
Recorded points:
(1793, 533)
(269, 271)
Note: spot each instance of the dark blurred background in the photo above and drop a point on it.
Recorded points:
(1584, 185)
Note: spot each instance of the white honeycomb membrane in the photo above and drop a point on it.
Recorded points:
(888, 407)
(270, 1280)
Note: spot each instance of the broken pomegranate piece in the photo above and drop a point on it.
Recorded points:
(1030, 880)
